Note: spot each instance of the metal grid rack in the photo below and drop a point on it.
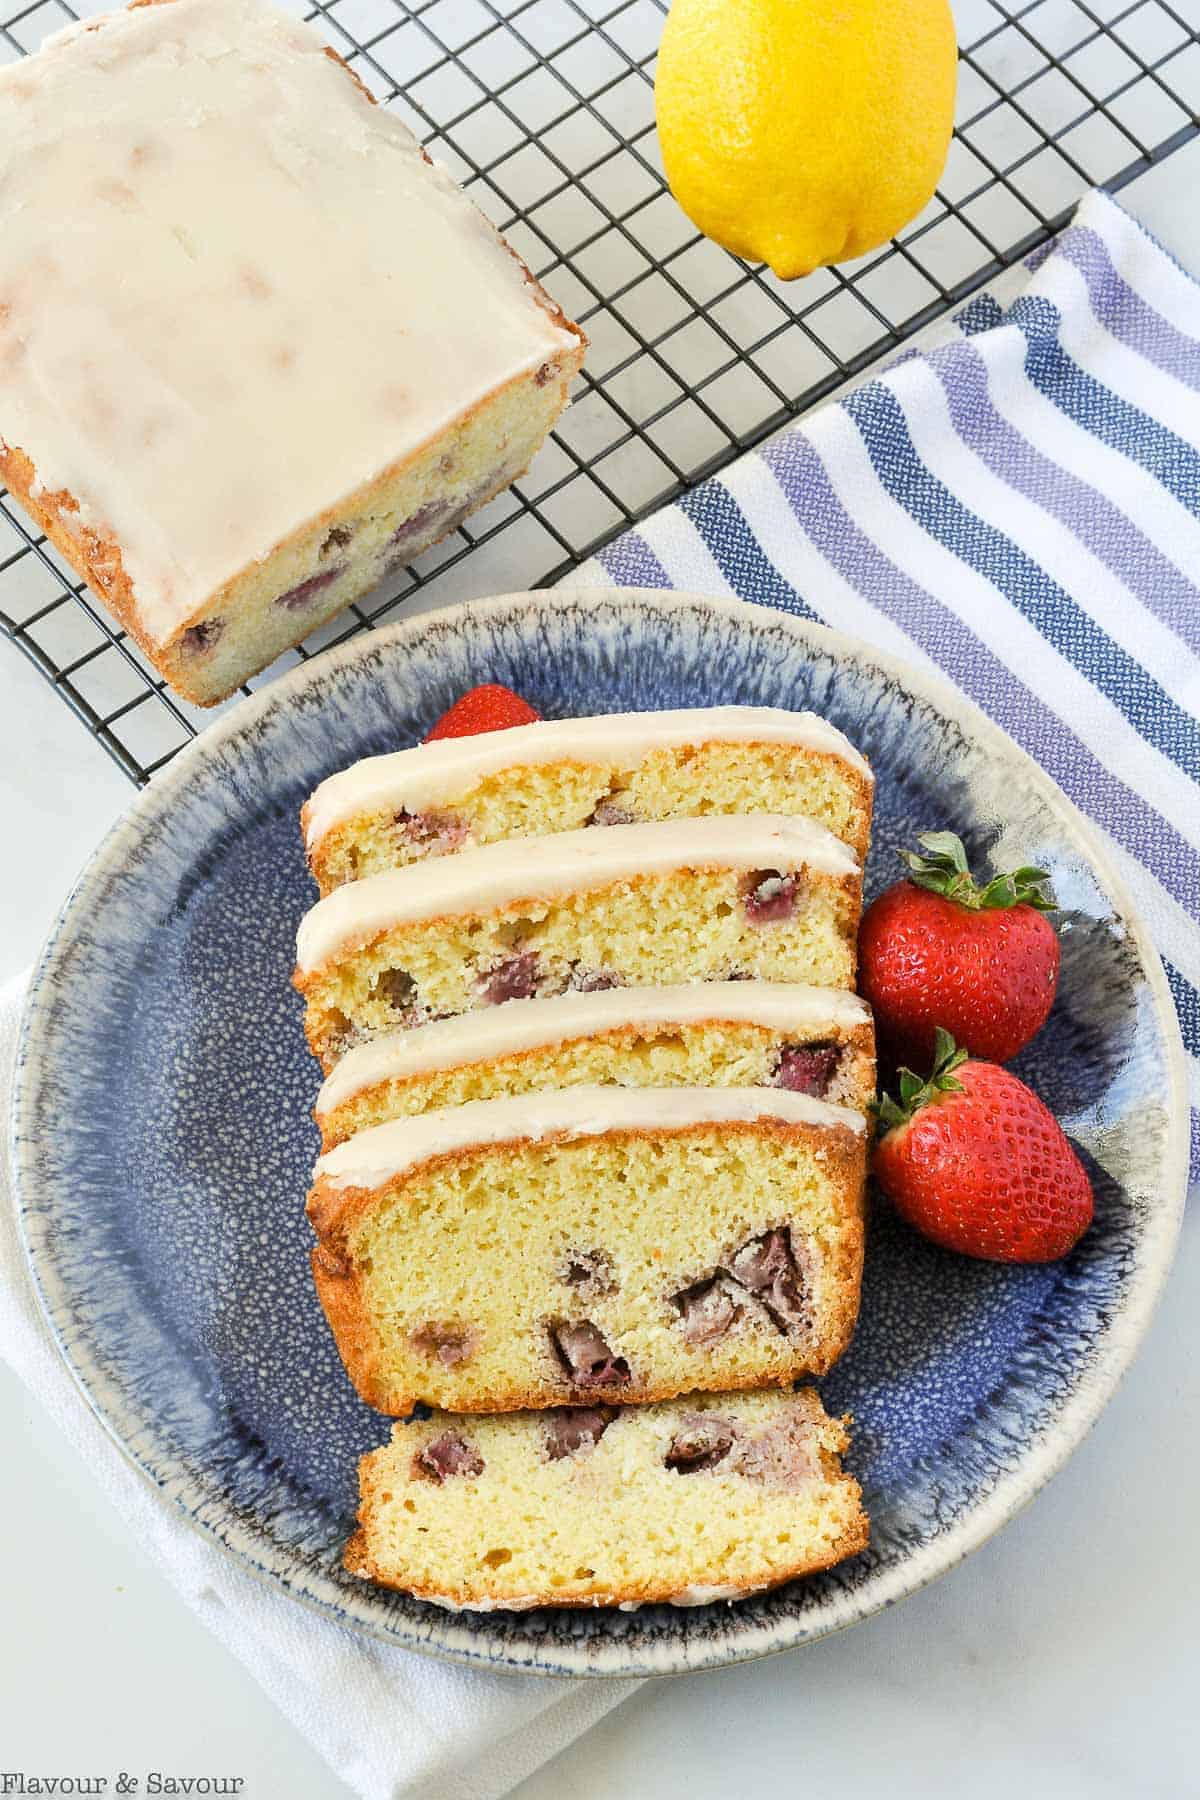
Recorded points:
(544, 110)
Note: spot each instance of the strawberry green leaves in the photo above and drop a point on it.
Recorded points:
(943, 869)
(916, 1092)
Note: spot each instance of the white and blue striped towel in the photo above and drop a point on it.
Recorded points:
(1017, 507)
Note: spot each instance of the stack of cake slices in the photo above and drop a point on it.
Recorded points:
(594, 1142)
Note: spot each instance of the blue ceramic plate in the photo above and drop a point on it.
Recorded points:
(164, 1144)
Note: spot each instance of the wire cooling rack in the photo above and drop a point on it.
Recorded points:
(544, 110)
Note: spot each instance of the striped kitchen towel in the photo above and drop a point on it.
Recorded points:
(1015, 505)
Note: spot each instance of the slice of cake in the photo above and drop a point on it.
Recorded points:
(256, 350)
(592, 1245)
(702, 1499)
(809, 1040)
(709, 899)
(564, 774)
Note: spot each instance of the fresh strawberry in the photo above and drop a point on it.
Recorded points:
(937, 949)
(489, 708)
(972, 1159)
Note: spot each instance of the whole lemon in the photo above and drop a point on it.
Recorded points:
(802, 132)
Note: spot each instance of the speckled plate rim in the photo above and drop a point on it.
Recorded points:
(450, 1636)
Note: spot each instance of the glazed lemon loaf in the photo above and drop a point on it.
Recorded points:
(564, 774)
(595, 1244)
(721, 1034)
(256, 350)
(694, 1500)
(686, 900)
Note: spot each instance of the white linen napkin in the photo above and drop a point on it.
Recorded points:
(388, 1721)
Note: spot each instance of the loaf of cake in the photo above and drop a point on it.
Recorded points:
(691, 1501)
(808, 1040)
(595, 1244)
(564, 774)
(714, 898)
(256, 351)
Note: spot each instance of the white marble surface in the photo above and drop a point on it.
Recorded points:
(1060, 1660)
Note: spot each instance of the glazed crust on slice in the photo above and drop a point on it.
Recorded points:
(645, 905)
(559, 775)
(740, 1034)
(657, 1218)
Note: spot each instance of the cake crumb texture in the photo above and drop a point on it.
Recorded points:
(630, 1265)
(703, 1498)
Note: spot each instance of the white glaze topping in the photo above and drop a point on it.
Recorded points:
(690, 1596)
(378, 1155)
(700, 1595)
(501, 874)
(520, 1025)
(231, 289)
(514, 1603)
(432, 773)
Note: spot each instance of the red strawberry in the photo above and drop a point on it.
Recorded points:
(973, 1160)
(939, 950)
(489, 708)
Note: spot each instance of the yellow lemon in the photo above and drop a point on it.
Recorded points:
(801, 132)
